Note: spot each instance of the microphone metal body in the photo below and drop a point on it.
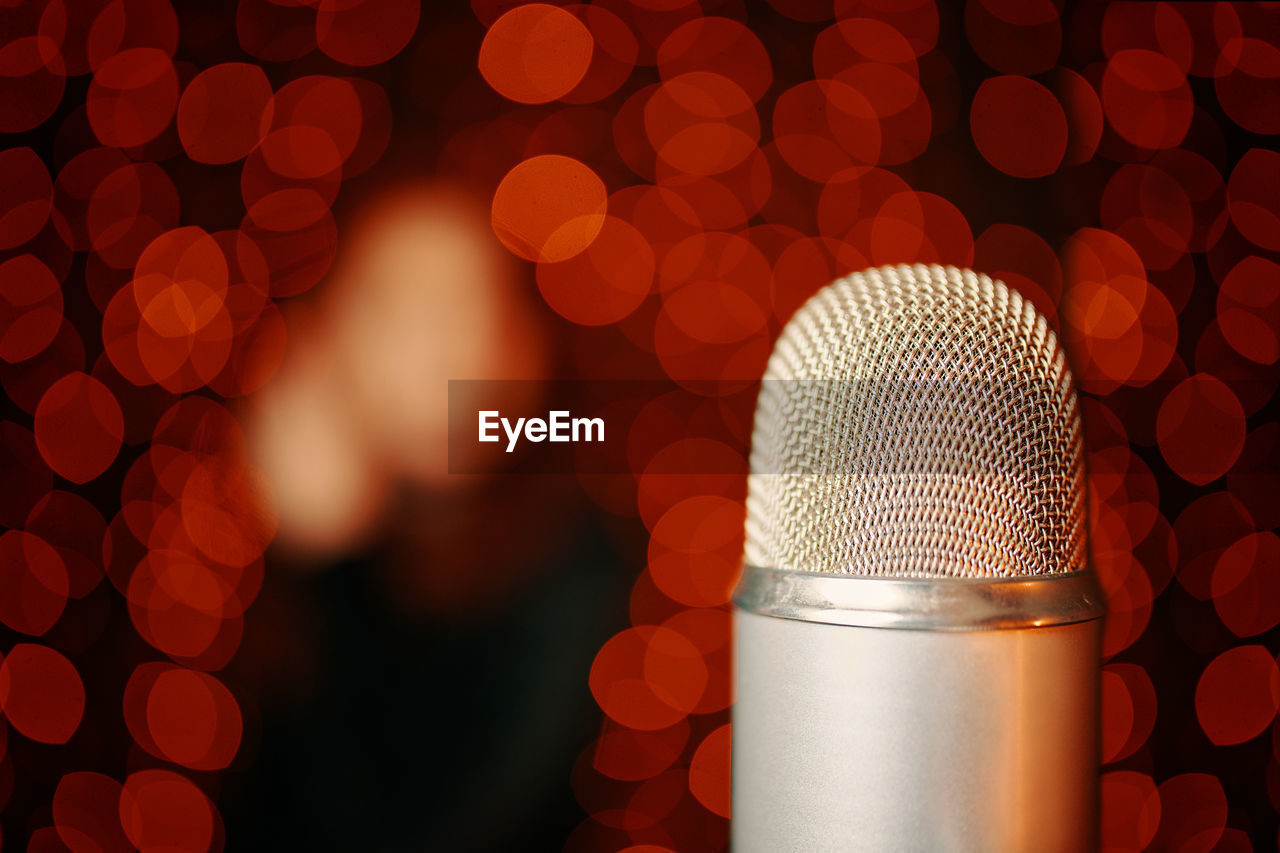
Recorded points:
(917, 639)
(932, 738)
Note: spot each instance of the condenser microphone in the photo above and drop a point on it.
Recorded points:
(917, 630)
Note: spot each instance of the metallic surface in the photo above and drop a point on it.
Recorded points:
(954, 604)
(874, 739)
(917, 421)
(917, 663)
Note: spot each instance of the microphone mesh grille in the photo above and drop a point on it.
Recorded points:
(917, 421)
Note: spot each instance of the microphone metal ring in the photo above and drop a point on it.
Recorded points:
(923, 604)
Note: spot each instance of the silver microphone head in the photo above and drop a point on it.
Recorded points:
(917, 421)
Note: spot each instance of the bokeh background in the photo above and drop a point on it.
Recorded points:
(245, 246)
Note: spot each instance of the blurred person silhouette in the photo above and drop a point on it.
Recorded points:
(419, 653)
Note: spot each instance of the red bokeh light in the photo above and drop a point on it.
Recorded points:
(1024, 261)
(1014, 36)
(549, 208)
(78, 427)
(122, 25)
(1247, 80)
(1131, 810)
(86, 815)
(710, 629)
(128, 209)
(224, 112)
(1117, 715)
(695, 550)
(709, 771)
(715, 287)
(604, 283)
(701, 123)
(30, 307)
(823, 127)
(160, 809)
(1019, 126)
(41, 693)
(1204, 530)
(27, 191)
(1084, 115)
(1254, 201)
(1141, 701)
(33, 581)
(365, 32)
(1201, 429)
(535, 53)
(1193, 813)
(1246, 584)
(613, 55)
(1249, 309)
(648, 677)
(1238, 694)
(74, 528)
(183, 716)
(330, 105)
(34, 75)
(720, 45)
(132, 97)
(1152, 26)
(1146, 98)
(631, 755)
(757, 185)
(275, 32)
(1149, 210)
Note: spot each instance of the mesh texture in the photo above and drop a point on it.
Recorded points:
(917, 421)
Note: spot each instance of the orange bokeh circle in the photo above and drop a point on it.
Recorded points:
(606, 282)
(549, 208)
(535, 53)
(695, 550)
(648, 677)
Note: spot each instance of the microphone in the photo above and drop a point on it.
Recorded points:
(917, 633)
